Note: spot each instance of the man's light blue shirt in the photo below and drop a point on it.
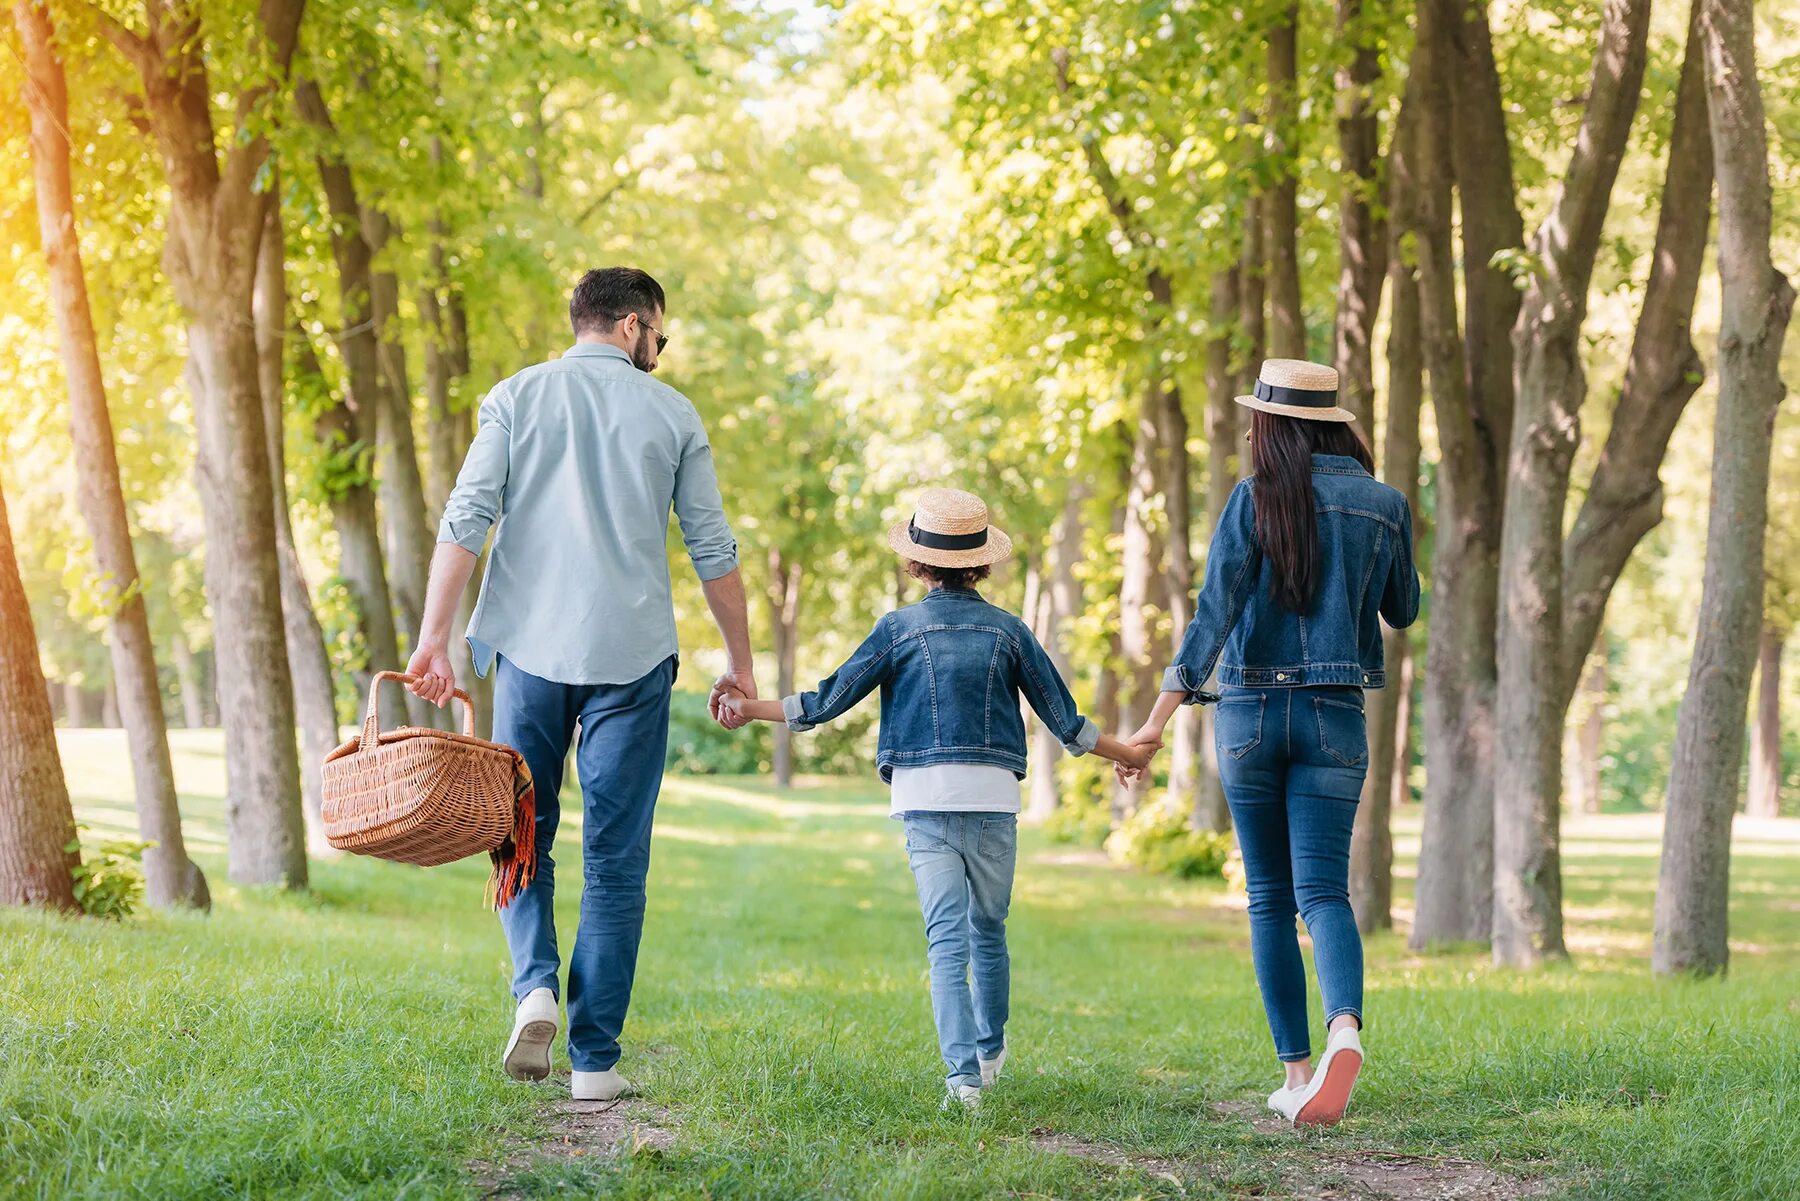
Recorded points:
(580, 461)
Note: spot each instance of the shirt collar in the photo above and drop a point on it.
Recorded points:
(595, 350)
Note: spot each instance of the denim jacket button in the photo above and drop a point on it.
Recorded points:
(1281, 675)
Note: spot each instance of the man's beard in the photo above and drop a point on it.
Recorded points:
(640, 354)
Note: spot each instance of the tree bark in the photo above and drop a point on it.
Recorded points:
(784, 621)
(1625, 494)
(1546, 429)
(187, 676)
(1281, 141)
(170, 877)
(410, 536)
(1589, 735)
(315, 702)
(1060, 605)
(1693, 885)
(1138, 682)
(353, 514)
(1362, 238)
(214, 226)
(1178, 504)
(1765, 729)
(37, 825)
(1455, 889)
(1222, 449)
(1253, 299)
(1372, 839)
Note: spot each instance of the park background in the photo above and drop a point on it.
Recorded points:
(1028, 249)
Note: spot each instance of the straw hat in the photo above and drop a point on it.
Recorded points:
(949, 529)
(1297, 388)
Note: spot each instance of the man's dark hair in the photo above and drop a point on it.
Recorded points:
(948, 577)
(604, 297)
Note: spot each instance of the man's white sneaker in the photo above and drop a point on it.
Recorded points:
(966, 1095)
(990, 1068)
(534, 1029)
(599, 1086)
(1325, 1099)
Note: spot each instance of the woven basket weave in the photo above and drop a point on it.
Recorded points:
(415, 795)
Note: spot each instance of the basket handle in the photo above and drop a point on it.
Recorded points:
(372, 719)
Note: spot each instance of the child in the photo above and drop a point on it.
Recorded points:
(951, 669)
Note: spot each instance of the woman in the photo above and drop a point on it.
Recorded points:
(1310, 550)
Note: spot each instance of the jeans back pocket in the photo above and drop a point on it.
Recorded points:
(1343, 731)
(1237, 723)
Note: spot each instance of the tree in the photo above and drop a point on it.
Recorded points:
(37, 826)
(214, 229)
(1764, 796)
(1693, 883)
(1280, 205)
(1546, 429)
(170, 877)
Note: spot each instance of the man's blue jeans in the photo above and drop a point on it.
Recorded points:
(1292, 761)
(963, 864)
(624, 735)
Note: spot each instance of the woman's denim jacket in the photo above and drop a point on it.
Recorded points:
(951, 669)
(1365, 571)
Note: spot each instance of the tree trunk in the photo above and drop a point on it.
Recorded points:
(1625, 495)
(1281, 141)
(1546, 429)
(1362, 240)
(1210, 811)
(1138, 682)
(75, 706)
(1372, 839)
(1589, 735)
(1060, 606)
(1693, 886)
(213, 228)
(358, 525)
(1455, 889)
(1178, 503)
(410, 536)
(1765, 730)
(37, 826)
(315, 702)
(784, 622)
(1253, 321)
(135, 696)
(188, 676)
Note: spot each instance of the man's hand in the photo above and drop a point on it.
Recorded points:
(735, 680)
(434, 678)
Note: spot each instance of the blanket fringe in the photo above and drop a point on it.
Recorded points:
(515, 860)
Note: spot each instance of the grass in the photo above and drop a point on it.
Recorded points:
(345, 1042)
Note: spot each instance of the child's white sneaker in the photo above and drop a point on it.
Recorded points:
(990, 1068)
(599, 1086)
(527, 1055)
(1324, 1100)
(966, 1095)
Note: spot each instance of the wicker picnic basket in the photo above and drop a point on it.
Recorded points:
(427, 797)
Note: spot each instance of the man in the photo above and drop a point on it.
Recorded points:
(581, 460)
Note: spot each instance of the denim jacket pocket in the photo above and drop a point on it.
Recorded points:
(1237, 725)
(1343, 731)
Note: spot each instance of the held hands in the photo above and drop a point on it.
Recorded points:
(1143, 746)
(735, 685)
(434, 677)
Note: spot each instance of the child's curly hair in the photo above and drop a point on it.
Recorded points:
(948, 577)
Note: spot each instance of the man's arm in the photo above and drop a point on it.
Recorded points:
(725, 597)
(451, 567)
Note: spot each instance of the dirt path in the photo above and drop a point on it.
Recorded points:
(1313, 1172)
(577, 1130)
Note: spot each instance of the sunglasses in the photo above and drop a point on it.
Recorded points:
(662, 339)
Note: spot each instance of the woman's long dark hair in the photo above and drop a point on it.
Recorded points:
(1287, 528)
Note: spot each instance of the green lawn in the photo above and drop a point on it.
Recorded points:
(345, 1042)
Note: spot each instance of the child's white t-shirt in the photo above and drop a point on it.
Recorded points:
(954, 788)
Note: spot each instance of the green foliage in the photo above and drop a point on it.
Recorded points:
(109, 880)
(1158, 838)
(1080, 820)
(699, 746)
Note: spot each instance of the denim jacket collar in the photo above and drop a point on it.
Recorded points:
(1337, 465)
(967, 593)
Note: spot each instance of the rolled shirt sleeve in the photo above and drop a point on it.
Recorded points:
(701, 510)
(474, 503)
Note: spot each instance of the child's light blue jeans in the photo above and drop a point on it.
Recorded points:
(963, 863)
